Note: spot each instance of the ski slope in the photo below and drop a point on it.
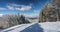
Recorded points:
(35, 27)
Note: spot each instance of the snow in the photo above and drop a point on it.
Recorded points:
(51, 27)
(18, 27)
(35, 27)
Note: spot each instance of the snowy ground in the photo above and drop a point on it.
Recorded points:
(35, 27)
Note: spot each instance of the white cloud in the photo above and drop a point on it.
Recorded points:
(1, 15)
(24, 8)
(3, 8)
(17, 7)
(10, 8)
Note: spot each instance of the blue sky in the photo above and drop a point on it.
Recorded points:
(25, 7)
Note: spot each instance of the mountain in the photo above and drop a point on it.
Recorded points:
(32, 19)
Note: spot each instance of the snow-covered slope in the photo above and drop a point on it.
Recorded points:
(35, 27)
(51, 27)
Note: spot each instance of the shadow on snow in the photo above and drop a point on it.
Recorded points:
(33, 28)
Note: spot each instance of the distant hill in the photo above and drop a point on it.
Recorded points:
(33, 18)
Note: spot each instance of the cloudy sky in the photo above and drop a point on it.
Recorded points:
(25, 7)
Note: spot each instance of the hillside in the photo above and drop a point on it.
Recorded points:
(7, 21)
(50, 12)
